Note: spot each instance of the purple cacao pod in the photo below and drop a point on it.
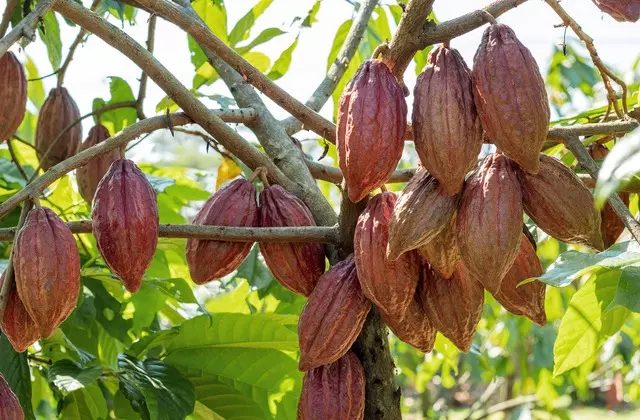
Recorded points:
(620, 10)
(10, 408)
(16, 323)
(89, 175)
(13, 95)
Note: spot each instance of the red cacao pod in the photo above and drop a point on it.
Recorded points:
(372, 120)
(510, 96)
(125, 222)
(334, 391)
(442, 252)
(332, 317)
(415, 327)
(296, 266)
(233, 205)
(10, 408)
(89, 175)
(47, 269)
(448, 137)
(560, 204)
(489, 220)
(58, 112)
(620, 10)
(391, 285)
(422, 211)
(16, 323)
(13, 95)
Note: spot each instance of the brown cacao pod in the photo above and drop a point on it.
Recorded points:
(296, 266)
(125, 222)
(510, 96)
(454, 306)
(415, 327)
(560, 204)
(620, 10)
(10, 408)
(598, 151)
(233, 205)
(89, 175)
(332, 317)
(489, 220)
(13, 95)
(442, 252)
(334, 391)
(391, 285)
(422, 211)
(16, 323)
(528, 299)
(448, 143)
(58, 111)
(47, 269)
(372, 120)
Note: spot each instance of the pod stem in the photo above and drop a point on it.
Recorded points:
(488, 17)
(261, 172)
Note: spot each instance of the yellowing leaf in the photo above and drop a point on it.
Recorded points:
(227, 170)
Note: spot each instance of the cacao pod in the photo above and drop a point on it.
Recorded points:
(332, 317)
(372, 120)
(414, 327)
(454, 306)
(10, 408)
(560, 204)
(422, 211)
(620, 10)
(233, 205)
(489, 220)
(334, 391)
(527, 299)
(391, 285)
(47, 269)
(89, 175)
(510, 96)
(442, 252)
(448, 143)
(598, 151)
(58, 112)
(13, 95)
(16, 323)
(296, 266)
(125, 222)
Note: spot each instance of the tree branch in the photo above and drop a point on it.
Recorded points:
(6, 16)
(142, 92)
(12, 153)
(26, 26)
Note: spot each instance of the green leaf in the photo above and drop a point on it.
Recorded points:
(85, 403)
(15, 369)
(117, 119)
(310, 19)
(421, 59)
(254, 270)
(214, 15)
(242, 28)
(224, 400)
(281, 66)
(265, 36)
(628, 293)
(159, 184)
(109, 312)
(620, 165)
(258, 60)
(35, 87)
(51, 38)
(70, 376)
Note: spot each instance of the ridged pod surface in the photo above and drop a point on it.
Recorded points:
(233, 205)
(10, 408)
(442, 252)
(528, 299)
(47, 269)
(415, 327)
(446, 128)
(560, 204)
(333, 316)
(125, 222)
(58, 111)
(372, 120)
(510, 96)
(489, 220)
(391, 285)
(13, 95)
(16, 323)
(89, 175)
(423, 209)
(620, 10)
(296, 266)
(334, 391)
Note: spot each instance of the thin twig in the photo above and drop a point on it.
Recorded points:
(39, 360)
(23, 141)
(14, 159)
(211, 142)
(142, 92)
(6, 16)
(43, 77)
(26, 26)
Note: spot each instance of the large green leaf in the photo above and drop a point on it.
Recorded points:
(70, 376)
(50, 35)
(85, 403)
(224, 400)
(628, 293)
(15, 369)
(281, 66)
(116, 119)
(242, 28)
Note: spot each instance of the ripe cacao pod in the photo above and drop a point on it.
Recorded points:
(10, 408)
(296, 266)
(489, 220)
(391, 285)
(510, 96)
(125, 222)
(442, 252)
(58, 112)
(415, 327)
(620, 10)
(454, 306)
(448, 143)
(332, 317)
(47, 269)
(422, 211)
(13, 95)
(560, 204)
(233, 205)
(372, 120)
(89, 175)
(528, 299)
(334, 391)
(16, 323)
